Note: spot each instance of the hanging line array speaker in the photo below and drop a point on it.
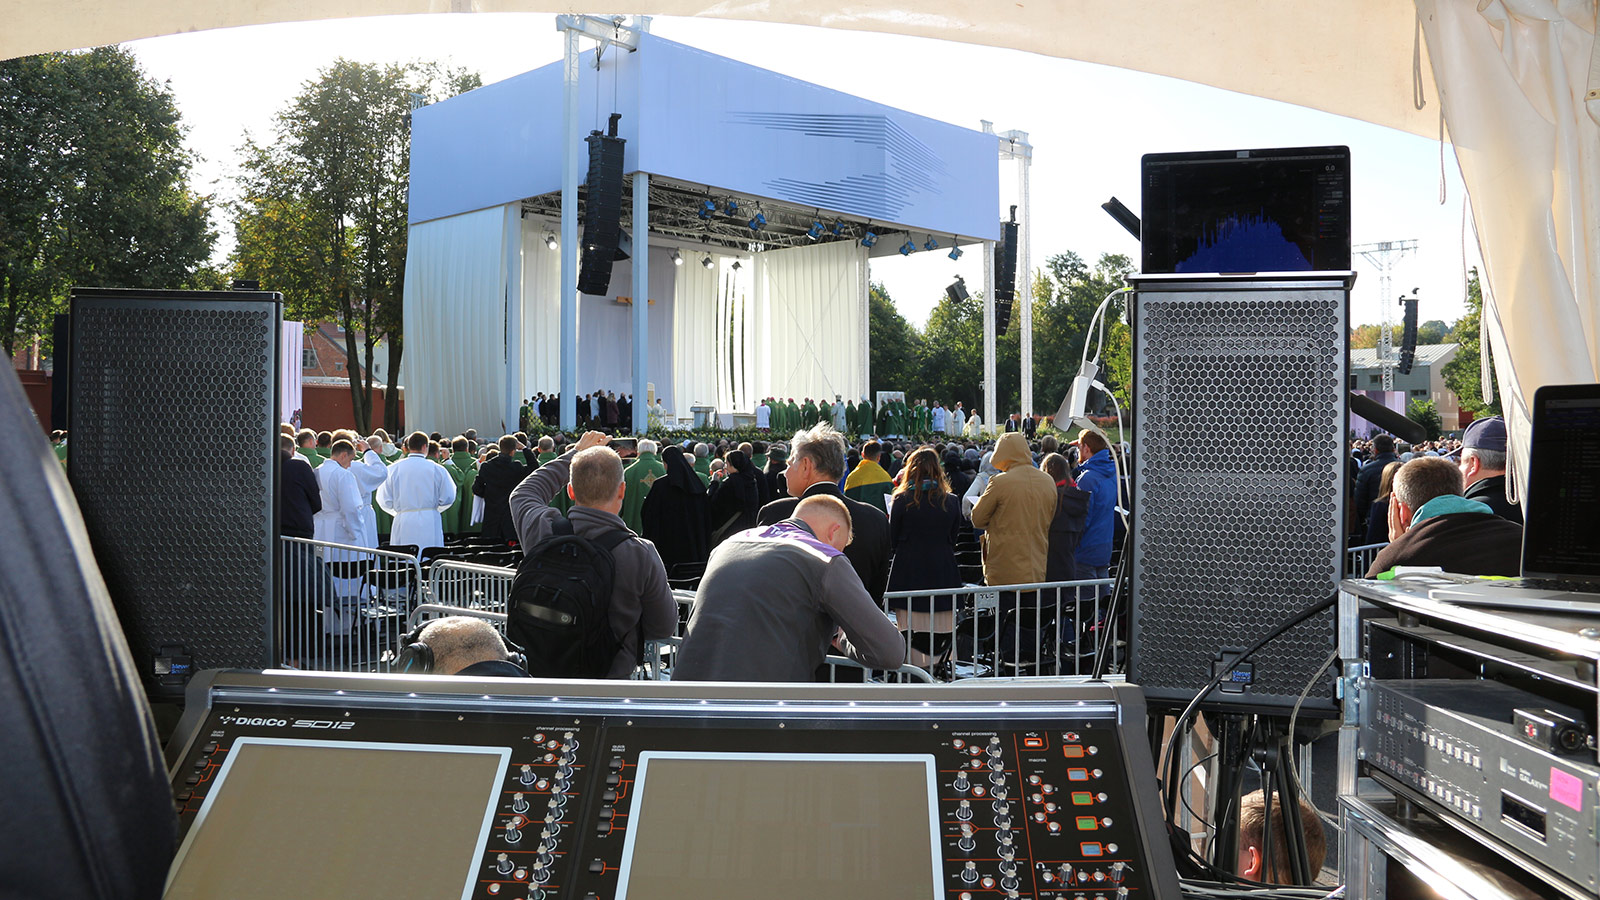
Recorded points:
(1005, 273)
(1408, 338)
(1239, 481)
(187, 546)
(602, 210)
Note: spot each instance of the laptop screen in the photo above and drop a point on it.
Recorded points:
(1562, 536)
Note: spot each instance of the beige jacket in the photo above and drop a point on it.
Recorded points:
(1015, 513)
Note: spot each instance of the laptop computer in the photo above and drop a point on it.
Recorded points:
(1561, 536)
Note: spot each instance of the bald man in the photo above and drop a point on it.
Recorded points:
(774, 597)
(463, 645)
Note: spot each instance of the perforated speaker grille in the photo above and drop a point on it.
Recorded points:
(1239, 485)
(173, 463)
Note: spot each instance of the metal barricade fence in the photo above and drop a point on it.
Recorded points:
(342, 607)
(452, 582)
(1358, 559)
(1045, 628)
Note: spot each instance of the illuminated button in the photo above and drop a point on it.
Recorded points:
(1033, 743)
(958, 743)
(1070, 737)
(607, 813)
(1072, 751)
(209, 748)
(538, 737)
(608, 796)
(1111, 848)
(1049, 807)
(1033, 779)
(1106, 822)
(1047, 876)
(979, 790)
(1093, 749)
(1096, 773)
(542, 784)
(1082, 798)
(1055, 827)
(613, 779)
(1088, 823)
(1077, 774)
(494, 889)
(603, 828)
(977, 764)
(615, 763)
(553, 745)
(1048, 789)
(1099, 876)
(988, 882)
(192, 780)
(597, 865)
(1036, 797)
(520, 874)
(183, 796)
(1092, 848)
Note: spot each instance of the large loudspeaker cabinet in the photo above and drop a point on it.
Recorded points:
(1239, 481)
(602, 212)
(174, 398)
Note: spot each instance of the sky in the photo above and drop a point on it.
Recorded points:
(1089, 125)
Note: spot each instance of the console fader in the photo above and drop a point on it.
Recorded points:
(651, 790)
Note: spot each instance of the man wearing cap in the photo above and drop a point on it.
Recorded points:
(1483, 467)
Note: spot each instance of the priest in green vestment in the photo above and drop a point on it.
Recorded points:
(636, 480)
(468, 469)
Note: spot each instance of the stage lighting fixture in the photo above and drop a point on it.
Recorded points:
(550, 240)
(930, 244)
(708, 206)
(731, 207)
(737, 266)
(677, 258)
(868, 239)
(707, 261)
(816, 230)
(957, 291)
(908, 248)
(955, 253)
(838, 227)
(758, 222)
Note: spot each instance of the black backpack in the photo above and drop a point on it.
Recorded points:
(560, 605)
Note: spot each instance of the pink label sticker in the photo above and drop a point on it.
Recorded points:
(1566, 789)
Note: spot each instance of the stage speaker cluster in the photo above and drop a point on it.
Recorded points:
(1408, 337)
(602, 210)
(174, 464)
(1005, 274)
(1238, 476)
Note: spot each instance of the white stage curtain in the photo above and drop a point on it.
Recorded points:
(810, 301)
(455, 320)
(290, 370)
(1513, 78)
(541, 311)
(695, 336)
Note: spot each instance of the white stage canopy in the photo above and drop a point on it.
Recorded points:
(778, 312)
(1519, 80)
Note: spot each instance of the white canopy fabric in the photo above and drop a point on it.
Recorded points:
(1351, 57)
(812, 301)
(1521, 93)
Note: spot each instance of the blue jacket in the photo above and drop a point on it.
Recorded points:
(1098, 476)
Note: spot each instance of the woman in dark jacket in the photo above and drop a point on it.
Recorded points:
(1066, 529)
(777, 461)
(1378, 519)
(954, 473)
(674, 514)
(924, 523)
(735, 497)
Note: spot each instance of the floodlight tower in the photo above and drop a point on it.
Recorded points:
(1383, 255)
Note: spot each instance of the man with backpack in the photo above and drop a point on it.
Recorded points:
(583, 570)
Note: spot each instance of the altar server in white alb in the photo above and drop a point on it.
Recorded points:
(370, 473)
(416, 491)
(763, 416)
(339, 521)
(839, 424)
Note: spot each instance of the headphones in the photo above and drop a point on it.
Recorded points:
(415, 657)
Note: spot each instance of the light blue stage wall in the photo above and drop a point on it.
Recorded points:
(702, 118)
(605, 331)
(502, 142)
(711, 120)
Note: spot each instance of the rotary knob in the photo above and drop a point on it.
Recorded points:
(997, 764)
(1009, 884)
(503, 864)
(994, 746)
(1008, 867)
(519, 803)
(964, 810)
(961, 783)
(514, 829)
(967, 844)
(998, 793)
(1001, 807)
(526, 777)
(1002, 822)
(1118, 872)
(969, 873)
(541, 872)
(545, 857)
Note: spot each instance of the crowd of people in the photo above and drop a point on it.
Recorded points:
(825, 526)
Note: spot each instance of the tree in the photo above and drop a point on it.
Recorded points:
(1424, 413)
(323, 214)
(897, 348)
(94, 186)
(1066, 294)
(1464, 372)
(1432, 331)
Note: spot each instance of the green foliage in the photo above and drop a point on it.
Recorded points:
(896, 347)
(1424, 413)
(1432, 331)
(1066, 295)
(323, 214)
(1464, 373)
(94, 186)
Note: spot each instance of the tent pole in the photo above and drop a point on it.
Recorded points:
(641, 299)
(988, 334)
(569, 234)
(512, 236)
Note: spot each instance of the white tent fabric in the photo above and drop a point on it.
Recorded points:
(455, 319)
(694, 377)
(1525, 120)
(812, 302)
(291, 364)
(541, 313)
(1351, 57)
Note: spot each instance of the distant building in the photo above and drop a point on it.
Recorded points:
(1425, 382)
(322, 357)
